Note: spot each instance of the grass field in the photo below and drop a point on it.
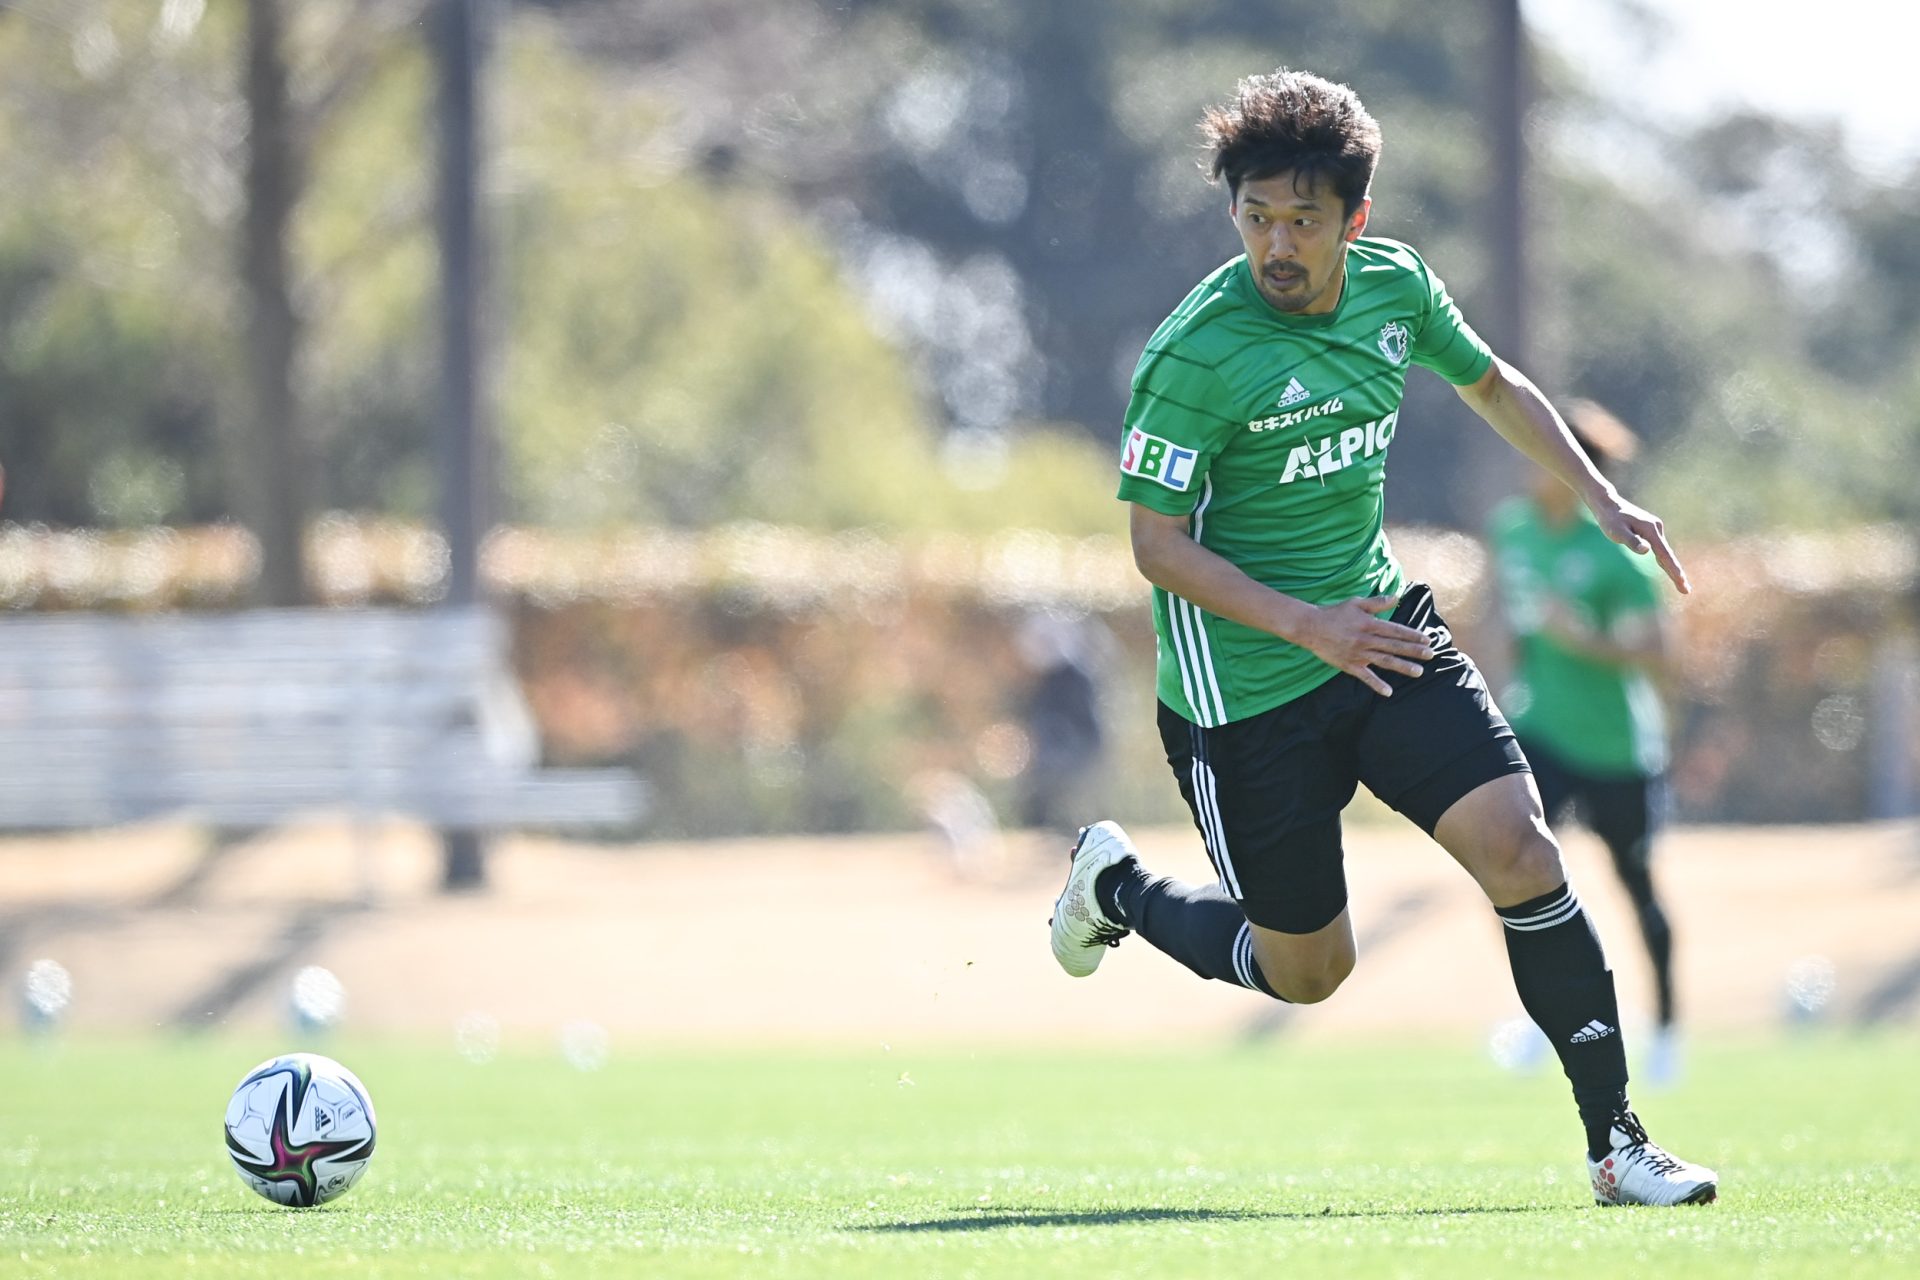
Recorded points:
(1391, 1160)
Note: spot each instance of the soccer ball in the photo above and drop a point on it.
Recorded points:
(300, 1129)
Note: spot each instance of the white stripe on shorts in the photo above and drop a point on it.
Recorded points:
(1206, 803)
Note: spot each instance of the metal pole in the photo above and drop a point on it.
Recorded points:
(1490, 470)
(462, 491)
(459, 46)
(1509, 144)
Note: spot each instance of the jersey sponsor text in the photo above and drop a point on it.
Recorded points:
(1281, 422)
(1151, 458)
(1329, 454)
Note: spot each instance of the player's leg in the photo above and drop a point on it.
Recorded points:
(1440, 752)
(1552, 779)
(1622, 812)
(1496, 832)
(1555, 786)
(1265, 795)
(1306, 968)
(1204, 928)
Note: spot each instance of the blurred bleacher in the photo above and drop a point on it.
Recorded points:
(773, 679)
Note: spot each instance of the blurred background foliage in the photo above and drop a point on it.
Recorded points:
(879, 266)
(881, 263)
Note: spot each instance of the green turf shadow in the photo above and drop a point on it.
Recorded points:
(1014, 1216)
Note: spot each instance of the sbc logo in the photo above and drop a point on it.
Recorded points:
(1162, 461)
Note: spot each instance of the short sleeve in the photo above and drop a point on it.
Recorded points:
(1178, 420)
(1446, 343)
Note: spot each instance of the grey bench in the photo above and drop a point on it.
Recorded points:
(252, 719)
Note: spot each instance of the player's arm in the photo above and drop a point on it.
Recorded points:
(1345, 635)
(1509, 402)
(1634, 640)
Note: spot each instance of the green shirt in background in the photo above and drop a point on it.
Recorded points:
(1270, 431)
(1600, 717)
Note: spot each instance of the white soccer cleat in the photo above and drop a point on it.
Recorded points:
(1637, 1171)
(1081, 930)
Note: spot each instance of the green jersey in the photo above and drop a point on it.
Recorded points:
(1600, 717)
(1270, 432)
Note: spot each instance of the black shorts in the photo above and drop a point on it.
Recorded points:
(1623, 809)
(1266, 792)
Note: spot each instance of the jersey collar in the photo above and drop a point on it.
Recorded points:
(1250, 293)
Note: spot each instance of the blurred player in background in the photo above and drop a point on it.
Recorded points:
(1060, 710)
(1296, 660)
(1590, 641)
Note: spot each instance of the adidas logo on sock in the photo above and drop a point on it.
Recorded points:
(1594, 1030)
(1294, 393)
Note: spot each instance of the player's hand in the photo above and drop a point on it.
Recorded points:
(1563, 624)
(1638, 529)
(1348, 636)
(1559, 621)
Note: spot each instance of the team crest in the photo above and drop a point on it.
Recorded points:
(1393, 341)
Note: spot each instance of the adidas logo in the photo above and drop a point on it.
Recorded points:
(1594, 1030)
(1294, 393)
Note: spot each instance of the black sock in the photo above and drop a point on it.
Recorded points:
(1561, 974)
(1198, 925)
(1659, 935)
(1637, 877)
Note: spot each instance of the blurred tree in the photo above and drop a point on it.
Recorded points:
(274, 497)
(292, 89)
(1028, 169)
(146, 161)
(883, 262)
(1017, 186)
(680, 349)
(1754, 324)
(115, 368)
(702, 361)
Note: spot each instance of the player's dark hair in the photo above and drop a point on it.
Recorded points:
(1606, 440)
(1293, 121)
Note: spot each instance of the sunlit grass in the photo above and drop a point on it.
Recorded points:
(1393, 1159)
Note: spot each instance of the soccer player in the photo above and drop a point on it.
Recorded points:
(1589, 638)
(1295, 660)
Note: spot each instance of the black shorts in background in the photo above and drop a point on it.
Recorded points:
(1266, 792)
(1623, 809)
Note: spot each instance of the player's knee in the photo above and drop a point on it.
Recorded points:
(1524, 862)
(1309, 988)
(1312, 985)
(1300, 991)
(1539, 858)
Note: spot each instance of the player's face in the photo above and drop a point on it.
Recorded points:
(1296, 239)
